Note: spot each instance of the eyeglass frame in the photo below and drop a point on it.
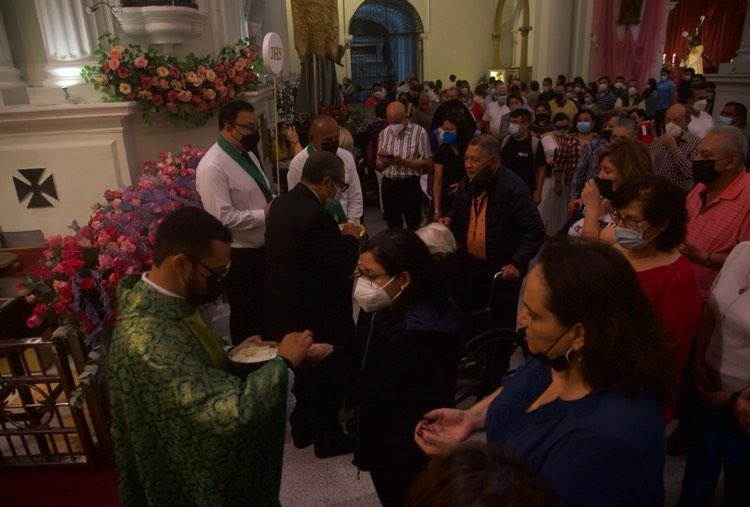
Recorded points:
(344, 185)
(358, 273)
(252, 127)
(220, 275)
(626, 221)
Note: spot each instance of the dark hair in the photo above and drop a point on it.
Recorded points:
(544, 105)
(321, 165)
(188, 231)
(480, 475)
(463, 130)
(521, 113)
(740, 110)
(381, 106)
(534, 86)
(630, 156)
(591, 283)
(663, 204)
(547, 80)
(514, 95)
(602, 78)
(562, 116)
(399, 250)
(229, 112)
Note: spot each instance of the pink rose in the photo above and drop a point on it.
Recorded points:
(141, 62)
(157, 100)
(174, 72)
(54, 241)
(113, 63)
(39, 310)
(33, 321)
(171, 96)
(31, 298)
(184, 96)
(162, 72)
(123, 72)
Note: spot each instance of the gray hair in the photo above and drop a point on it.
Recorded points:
(438, 238)
(735, 141)
(628, 124)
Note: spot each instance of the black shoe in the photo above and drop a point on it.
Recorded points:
(301, 436)
(335, 444)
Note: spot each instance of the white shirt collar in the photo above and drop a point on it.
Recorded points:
(159, 288)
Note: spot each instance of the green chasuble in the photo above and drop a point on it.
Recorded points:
(186, 431)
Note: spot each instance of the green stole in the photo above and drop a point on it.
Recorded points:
(208, 340)
(335, 209)
(247, 165)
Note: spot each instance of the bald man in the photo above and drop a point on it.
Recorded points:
(324, 135)
(403, 155)
(673, 151)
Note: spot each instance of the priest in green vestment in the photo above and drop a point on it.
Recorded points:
(186, 430)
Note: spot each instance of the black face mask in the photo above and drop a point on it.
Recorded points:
(214, 288)
(704, 171)
(558, 364)
(330, 146)
(480, 182)
(607, 134)
(605, 187)
(250, 141)
(559, 96)
(542, 117)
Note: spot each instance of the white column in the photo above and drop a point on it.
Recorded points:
(10, 76)
(741, 63)
(552, 24)
(70, 37)
(227, 19)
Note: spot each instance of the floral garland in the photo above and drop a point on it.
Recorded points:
(76, 280)
(188, 92)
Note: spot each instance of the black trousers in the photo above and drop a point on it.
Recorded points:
(245, 292)
(402, 201)
(659, 122)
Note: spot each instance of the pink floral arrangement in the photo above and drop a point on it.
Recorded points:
(76, 280)
(188, 91)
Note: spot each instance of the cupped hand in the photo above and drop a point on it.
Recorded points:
(442, 430)
(318, 352)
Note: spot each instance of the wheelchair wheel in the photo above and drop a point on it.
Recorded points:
(483, 364)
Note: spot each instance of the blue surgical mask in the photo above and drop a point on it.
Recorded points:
(449, 137)
(584, 127)
(632, 239)
(502, 98)
(513, 129)
(725, 120)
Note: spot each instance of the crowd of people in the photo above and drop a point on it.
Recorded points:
(609, 225)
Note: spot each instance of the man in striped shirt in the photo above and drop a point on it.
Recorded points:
(403, 155)
(605, 99)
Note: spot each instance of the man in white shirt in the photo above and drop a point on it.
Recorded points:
(494, 112)
(700, 121)
(324, 135)
(234, 189)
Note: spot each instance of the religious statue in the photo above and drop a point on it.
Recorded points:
(694, 54)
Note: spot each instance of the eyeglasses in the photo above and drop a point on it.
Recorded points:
(629, 222)
(220, 274)
(341, 185)
(358, 273)
(249, 126)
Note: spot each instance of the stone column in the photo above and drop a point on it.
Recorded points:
(70, 36)
(741, 63)
(10, 76)
(227, 21)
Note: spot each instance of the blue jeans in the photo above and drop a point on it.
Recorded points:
(714, 440)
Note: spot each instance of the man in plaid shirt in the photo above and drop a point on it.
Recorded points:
(673, 151)
(403, 155)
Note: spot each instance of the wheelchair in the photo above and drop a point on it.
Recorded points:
(486, 356)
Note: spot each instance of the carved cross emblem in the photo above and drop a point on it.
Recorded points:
(38, 189)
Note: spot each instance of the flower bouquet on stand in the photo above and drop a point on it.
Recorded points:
(76, 280)
(187, 91)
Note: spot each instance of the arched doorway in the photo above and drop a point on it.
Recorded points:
(386, 41)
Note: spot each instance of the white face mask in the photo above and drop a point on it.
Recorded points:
(397, 128)
(603, 88)
(632, 91)
(673, 129)
(370, 296)
(700, 105)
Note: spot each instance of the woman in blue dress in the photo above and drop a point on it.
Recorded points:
(584, 408)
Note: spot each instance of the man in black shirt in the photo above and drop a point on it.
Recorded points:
(523, 154)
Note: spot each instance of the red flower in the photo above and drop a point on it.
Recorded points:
(171, 96)
(86, 283)
(174, 71)
(123, 72)
(157, 100)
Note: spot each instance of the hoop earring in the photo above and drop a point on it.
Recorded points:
(568, 356)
